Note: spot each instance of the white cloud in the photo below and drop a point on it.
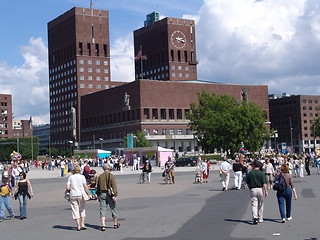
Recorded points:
(28, 84)
(260, 42)
(122, 62)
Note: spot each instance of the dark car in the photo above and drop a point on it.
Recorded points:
(190, 162)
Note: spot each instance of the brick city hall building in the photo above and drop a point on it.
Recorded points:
(79, 64)
(87, 107)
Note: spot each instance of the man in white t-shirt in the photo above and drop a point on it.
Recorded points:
(62, 167)
(225, 168)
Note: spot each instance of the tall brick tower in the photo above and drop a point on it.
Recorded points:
(79, 64)
(165, 49)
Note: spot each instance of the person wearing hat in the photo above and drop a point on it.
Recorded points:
(77, 185)
(107, 195)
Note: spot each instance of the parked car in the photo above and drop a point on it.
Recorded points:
(186, 161)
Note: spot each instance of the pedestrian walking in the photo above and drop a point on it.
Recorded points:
(23, 190)
(78, 187)
(5, 193)
(147, 169)
(269, 172)
(237, 170)
(284, 195)
(256, 182)
(225, 169)
(169, 168)
(107, 194)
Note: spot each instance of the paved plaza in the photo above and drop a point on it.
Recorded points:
(156, 211)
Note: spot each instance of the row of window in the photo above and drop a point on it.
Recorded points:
(310, 108)
(63, 81)
(165, 132)
(97, 70)
(62, 98)
(63, 74)
(97, 62)
(60, 114)
(98, 78)
(165, 113)
(3, 104)
(309, 101)
(98, 86)
(63, 105)
(62, 90)
(63, 66)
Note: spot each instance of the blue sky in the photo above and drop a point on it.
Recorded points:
(269, 42)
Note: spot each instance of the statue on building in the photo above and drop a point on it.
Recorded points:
(126, 101)
(244, 94)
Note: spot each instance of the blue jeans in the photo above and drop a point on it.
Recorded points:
(62, 172)
(23, 204)
(284, 199)
(318, 168)
(5, 202)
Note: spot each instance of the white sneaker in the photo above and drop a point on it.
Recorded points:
(283, 220)
(289, 218)
(260, 220)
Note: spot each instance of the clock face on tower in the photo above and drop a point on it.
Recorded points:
(178, 39)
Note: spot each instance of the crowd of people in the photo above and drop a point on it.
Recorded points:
(258, 174)
(263, 173)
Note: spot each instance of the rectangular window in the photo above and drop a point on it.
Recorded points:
(81, 77)
(155, 113)
(105, 63)
(98, 70)
(89, 69)
(186, 112)
(81, 61)
(172, 55)
(80, 48)
(163, 113)
(146, 113)
(89, 78)
(89, 49)
(81, 69)
(90, 86)
(98, 86)
(179, 113)
(106, 86)
(188, 131)
(97, 62)
(98, 78)
(164, 131)
(171, 113)
(185, 56)
(81, 85)
(179, 131)
(171, 131)
(105, 50)
(179, 56)
(106, 70)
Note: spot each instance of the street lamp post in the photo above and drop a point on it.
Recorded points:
(101, 141)
(94, 141)
(291, 129)
(71, 147)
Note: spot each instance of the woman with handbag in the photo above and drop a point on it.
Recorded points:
(285, 196)
(79, 193)
(107, 195)
(23, 190)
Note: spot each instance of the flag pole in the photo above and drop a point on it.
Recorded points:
(141, 66)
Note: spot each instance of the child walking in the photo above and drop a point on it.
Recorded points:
(5, 192)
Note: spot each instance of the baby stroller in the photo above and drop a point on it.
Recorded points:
(92, 182)
(197, 178)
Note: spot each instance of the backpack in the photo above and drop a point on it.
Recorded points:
(279, 184)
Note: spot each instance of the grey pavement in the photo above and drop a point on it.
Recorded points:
(156, 211)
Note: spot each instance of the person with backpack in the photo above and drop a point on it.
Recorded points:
(284, 186)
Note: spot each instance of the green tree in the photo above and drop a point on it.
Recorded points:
(221, 122)
(22, 145)
(139, 140)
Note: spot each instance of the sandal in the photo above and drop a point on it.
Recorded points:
(115, 226)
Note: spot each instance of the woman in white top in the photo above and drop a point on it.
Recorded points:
(78, 187)
(269, 172)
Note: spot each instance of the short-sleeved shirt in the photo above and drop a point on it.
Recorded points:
(76, 182)
(256, 179)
